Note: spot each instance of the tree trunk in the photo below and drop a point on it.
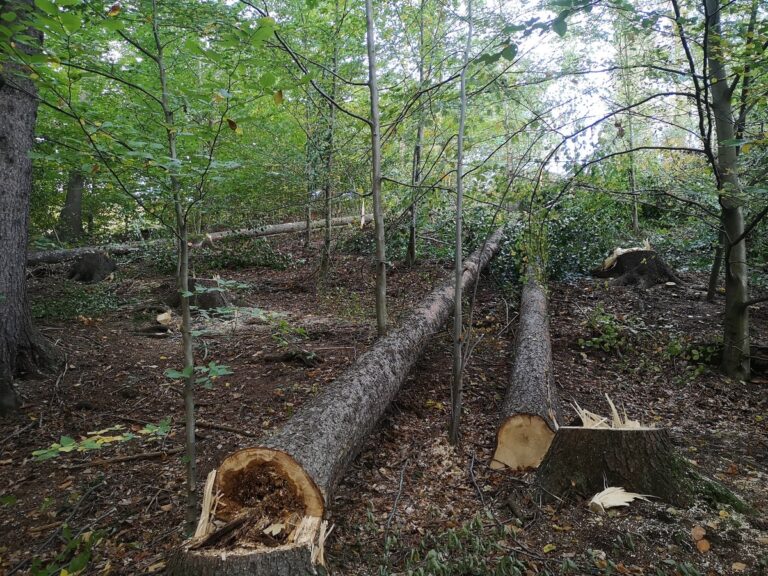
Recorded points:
(717, 264)
(70, 226)
(378, 209)
(531, 408)
(301, 463)
(735, 360)
(325, 261)
(21, 347)
(56, 256)
(458, 316)
(410, 256)
(583, 461)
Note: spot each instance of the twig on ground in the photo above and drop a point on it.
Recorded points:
(397, 498)
(128, 458)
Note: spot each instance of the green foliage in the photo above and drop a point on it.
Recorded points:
(473, 549)
(206, 374)
(99, 439)
(73, 558)
(581, 233)
(241, 252)
(609, 333)
(75, 299)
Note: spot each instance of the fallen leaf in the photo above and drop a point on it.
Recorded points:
(697, 533)
(738, 566)
(549, 548)
(156, 567)
(703, 545)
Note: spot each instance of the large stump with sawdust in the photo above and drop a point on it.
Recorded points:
(644, 268)
(583, 461)
(273, 497)
(531, 408)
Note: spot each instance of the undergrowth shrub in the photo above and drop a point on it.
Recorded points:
(73, 299)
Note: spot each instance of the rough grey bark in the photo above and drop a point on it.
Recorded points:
(21, 347)
(583, 461)
(291, 562)
(328, 431)
(70, 225)
(531, 402)
(325, 435)
(378, 209)
(735, 361)
(55, 256)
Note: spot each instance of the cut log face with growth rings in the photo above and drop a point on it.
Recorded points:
(531, 408)
(269, 501)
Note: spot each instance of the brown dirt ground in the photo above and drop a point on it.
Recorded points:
(408, 485)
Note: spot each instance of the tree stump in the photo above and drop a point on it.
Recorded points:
(92, 267)
(583, 461)
(531, 409)
(644, 268)
(209, 299)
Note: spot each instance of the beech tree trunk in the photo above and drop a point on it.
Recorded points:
(735, 360)
(378, 209)
(70, 225)
(530, 412)
(306, 458)
(21, 347)
(56, 256)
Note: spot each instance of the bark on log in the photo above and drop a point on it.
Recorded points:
(309, 454)
(531, 410)
(56, 256)
(583, 461)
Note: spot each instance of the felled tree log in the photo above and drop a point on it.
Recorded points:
(583, 461)
(531, 409)
(56, 256)
(288, 481)
(642, 267)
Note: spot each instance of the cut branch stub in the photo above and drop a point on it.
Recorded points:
(531, 409)
(284, 487)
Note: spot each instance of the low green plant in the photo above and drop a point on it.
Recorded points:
(240, 252)
(73, 559)
(206, 374)
(99, 439)
(74, 299)
(607, 332)
(474, 549)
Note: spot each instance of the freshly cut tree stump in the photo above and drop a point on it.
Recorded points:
(283, 488)
(583, 461)
(56, 256)
(531, 409)
(636, 266)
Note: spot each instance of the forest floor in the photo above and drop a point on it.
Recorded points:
(410, 502)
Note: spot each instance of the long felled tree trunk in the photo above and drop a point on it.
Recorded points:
(275, 495)
(530, 412)
(21, 347)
